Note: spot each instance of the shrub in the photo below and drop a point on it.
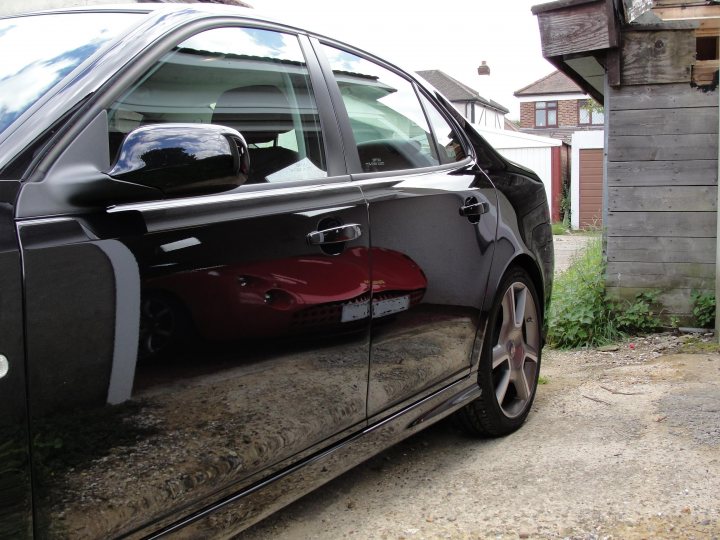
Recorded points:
(703, 308)
(580, 313)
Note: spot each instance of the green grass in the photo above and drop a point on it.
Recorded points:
(542, 379)
(559, 228)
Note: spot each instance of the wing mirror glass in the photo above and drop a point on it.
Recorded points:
(183, 159)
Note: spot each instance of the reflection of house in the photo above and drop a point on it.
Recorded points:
(543, 155)
(555, 106)
(650, 62)
(474, 107)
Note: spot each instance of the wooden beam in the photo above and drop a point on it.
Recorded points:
(576, 29)
(687, 13)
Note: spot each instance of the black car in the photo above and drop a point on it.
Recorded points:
(236, 260)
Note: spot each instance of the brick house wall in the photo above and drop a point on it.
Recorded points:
(567, 114)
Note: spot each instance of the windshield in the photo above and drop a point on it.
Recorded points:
(39, 51)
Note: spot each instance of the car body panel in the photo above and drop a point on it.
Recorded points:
(170, 387)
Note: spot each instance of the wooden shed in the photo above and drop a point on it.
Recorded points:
(654, 66)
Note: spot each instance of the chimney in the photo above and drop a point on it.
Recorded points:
(484, 69)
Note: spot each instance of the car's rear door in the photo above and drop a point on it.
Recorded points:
(180, 350)
(433, 227)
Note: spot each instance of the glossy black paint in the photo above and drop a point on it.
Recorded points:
(167, 156)
(187, 364)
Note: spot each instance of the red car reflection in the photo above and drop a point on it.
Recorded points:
(278, 298)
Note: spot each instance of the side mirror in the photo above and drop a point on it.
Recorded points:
(183, 159)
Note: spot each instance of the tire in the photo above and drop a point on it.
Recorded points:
(510, 360)
(164, 325)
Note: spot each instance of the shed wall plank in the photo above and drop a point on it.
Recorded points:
(657, 57)
(660, 96)
(674, 301)
(663, 173)
(700, 120)
(648, 224)
(662, 147)
(661, 250)
(662, 199)
(660, 275)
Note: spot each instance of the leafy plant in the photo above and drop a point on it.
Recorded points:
(638, 316)
(581, 314)
(703, 308)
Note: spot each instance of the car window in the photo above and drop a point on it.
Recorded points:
(35, 56)
(252, 80)
(390, 128)
(450, 149)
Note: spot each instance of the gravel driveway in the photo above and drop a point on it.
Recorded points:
(622, 444)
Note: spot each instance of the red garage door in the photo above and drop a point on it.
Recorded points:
(591, 188)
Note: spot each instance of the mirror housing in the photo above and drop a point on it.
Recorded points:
(183, 159)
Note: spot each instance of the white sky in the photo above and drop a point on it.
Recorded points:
(419, 35)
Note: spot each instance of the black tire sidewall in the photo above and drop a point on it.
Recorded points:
(498, 423)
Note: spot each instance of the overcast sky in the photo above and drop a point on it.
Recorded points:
(453, 36)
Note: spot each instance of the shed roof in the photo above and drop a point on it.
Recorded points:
(554, 83)
(454, 90)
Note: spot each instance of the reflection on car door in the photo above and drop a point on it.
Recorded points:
(424, 339)
(15, 500)
(183, 349)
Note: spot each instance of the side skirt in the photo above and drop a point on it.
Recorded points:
(237, 512)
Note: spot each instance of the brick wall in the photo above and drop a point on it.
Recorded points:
(567, 114)
(527, 115)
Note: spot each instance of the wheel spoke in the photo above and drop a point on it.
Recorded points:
(500, 356)
(531, 354)
(521, 384)
(502, 387)
(508, 308)
(520, 302)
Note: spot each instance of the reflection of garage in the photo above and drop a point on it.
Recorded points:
(591, 175)
(586, 179)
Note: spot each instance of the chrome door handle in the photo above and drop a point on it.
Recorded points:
(474, 209)
(335, 235)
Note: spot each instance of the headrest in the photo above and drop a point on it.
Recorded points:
(259, 112)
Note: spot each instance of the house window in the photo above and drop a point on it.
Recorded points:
(590, 113)
(546, 114)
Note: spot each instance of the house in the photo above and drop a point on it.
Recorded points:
(474, 107)
(654, 66)
(556, 107)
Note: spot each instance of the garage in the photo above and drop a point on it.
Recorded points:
(591, 188)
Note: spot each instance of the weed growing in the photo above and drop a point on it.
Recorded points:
(703, 308)
(581, 314)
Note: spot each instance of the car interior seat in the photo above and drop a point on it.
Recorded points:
(260, 113)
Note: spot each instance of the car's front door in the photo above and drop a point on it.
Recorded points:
(433, 227)
(181, 349)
